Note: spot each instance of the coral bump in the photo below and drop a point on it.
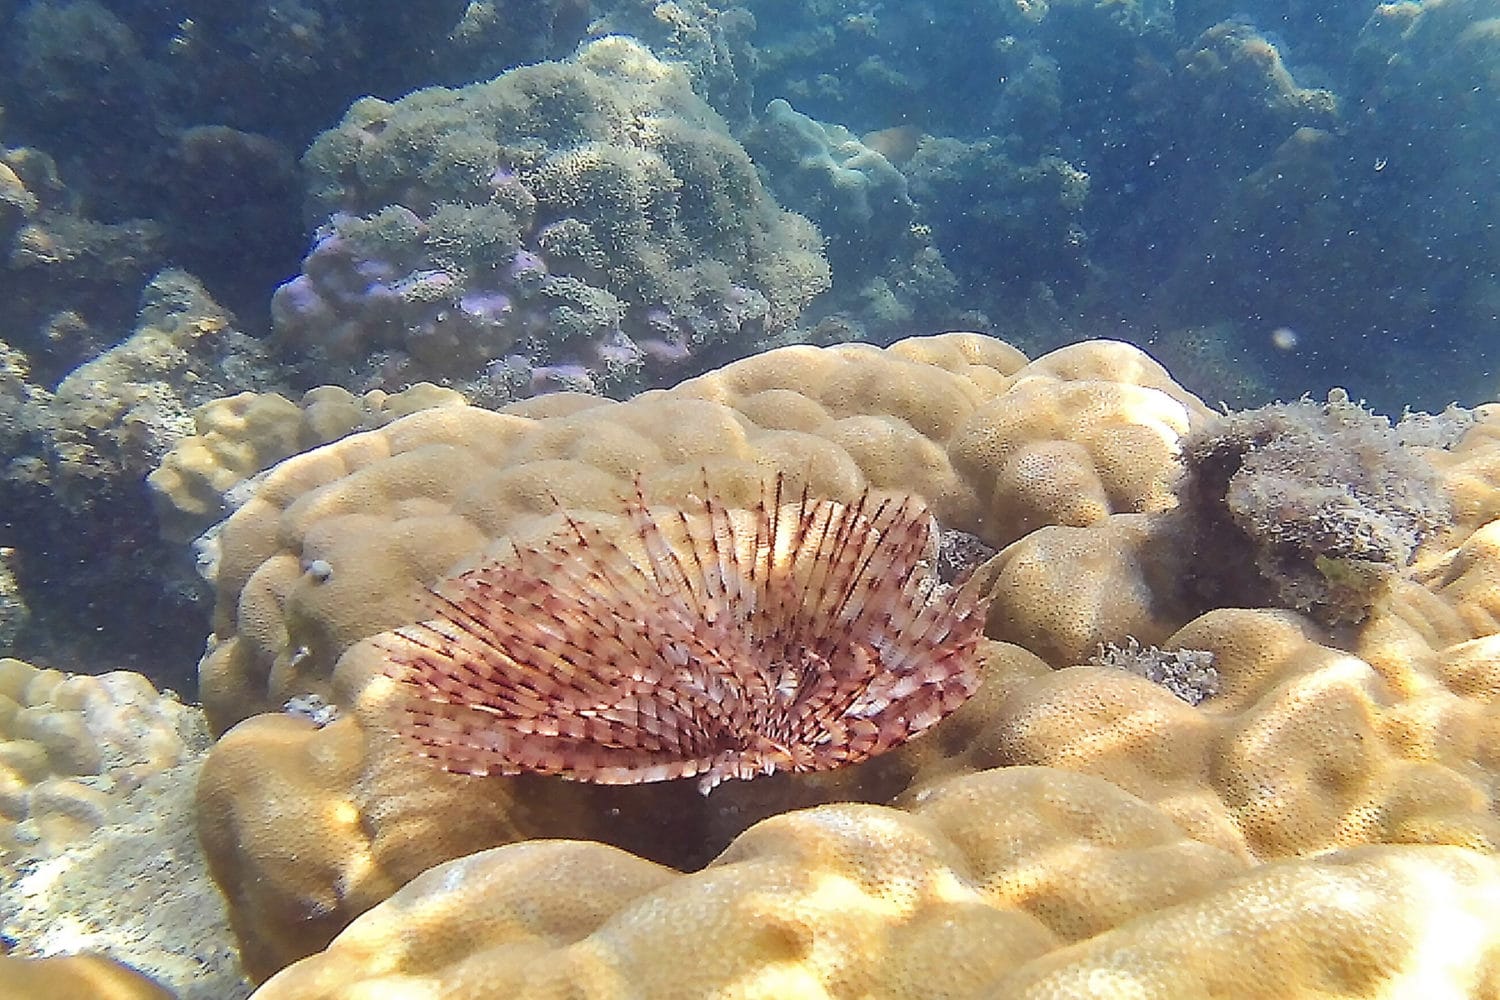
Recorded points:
(716, 642)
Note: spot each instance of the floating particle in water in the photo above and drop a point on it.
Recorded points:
(1284, 338)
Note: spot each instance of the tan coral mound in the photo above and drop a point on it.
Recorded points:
(336, 542)
(945, 900)
(1314, 741)
(239, 436)
(81, 976)
(73, 746)
(305, 828)
(1304, 748)
(407, 504)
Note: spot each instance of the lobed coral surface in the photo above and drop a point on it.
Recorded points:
(98, 857)
(944, 898)
(1330, 786)
(73, 747)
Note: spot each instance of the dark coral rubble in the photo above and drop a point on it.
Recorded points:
(1311, 506)
(75, 512)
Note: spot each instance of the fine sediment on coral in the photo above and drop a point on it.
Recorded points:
(97, 849)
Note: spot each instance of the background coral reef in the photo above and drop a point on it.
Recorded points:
(1240, 660)
(1258, 196)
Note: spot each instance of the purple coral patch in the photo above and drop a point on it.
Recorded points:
(486, 308)
(297, 303)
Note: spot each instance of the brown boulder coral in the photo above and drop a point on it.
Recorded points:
(1325, 814)
(797, 636)
(307, 827)
(1028, 882)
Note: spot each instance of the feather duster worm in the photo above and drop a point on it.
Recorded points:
(801, 635)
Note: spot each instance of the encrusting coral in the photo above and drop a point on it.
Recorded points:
(1357, 760)
(241, 435)
(72, 749)
(75, 976)
(382, 513)
(942, 898)
(97, 849)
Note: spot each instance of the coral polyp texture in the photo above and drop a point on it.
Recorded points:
(947, 897)
(797, 636)
(333, 544)
(238, 436)
(73, 748)
(585, 224)
(1071, 823)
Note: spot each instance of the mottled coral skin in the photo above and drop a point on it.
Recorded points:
(238, 436)
(425, 496)
(445, 483)
(1315, 742)
(72, 747)
(91, 976)
(942, 899)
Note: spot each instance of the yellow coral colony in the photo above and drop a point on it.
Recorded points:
(1321, 823)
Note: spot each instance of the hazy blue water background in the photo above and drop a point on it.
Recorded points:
(1273, 198)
